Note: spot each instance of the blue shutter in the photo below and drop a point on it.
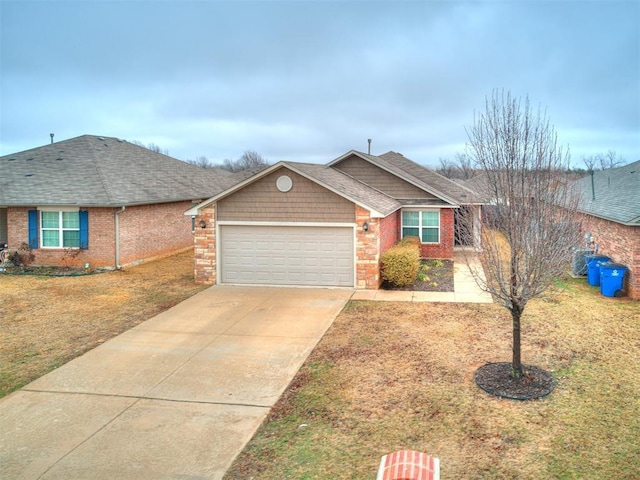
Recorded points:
(33, 229)
(84, 229)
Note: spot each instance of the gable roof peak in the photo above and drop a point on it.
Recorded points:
(418, 175)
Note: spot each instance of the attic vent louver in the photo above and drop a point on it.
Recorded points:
(28, 174)
(12, 159)
(59, 158)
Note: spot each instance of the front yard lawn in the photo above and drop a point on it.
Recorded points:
(392, 376)
(387, 376)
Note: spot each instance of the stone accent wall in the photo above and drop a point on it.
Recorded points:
(205, 247)
(621, 243)
(367, 250)
(447, 238)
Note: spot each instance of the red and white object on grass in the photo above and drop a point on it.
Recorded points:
(409, 465)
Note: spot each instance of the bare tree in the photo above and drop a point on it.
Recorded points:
(151, 146)
(461, 167)
(464, 166)
(590, 162)
(603, 160)
(529, 233)
(610, 160)
(202, 162)
(446, 168)
(249, 159)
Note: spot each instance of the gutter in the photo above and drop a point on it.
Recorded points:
(116, 224)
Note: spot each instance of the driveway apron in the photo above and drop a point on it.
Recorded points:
(176, 397)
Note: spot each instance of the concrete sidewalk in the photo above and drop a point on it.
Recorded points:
(178, 396)
(465, 288)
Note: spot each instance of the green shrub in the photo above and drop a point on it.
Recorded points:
(400, 264)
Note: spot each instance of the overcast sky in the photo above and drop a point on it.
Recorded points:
(311, 80)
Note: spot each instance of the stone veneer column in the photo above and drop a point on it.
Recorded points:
(367, 251)
(205, 247)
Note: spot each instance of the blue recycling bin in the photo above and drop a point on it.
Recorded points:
(612, 279)
(593, 268)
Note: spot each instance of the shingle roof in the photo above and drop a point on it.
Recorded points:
(617, 194)
(448, 192)
(101, 171)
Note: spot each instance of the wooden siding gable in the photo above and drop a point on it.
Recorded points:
(307, 201)
(380, 179)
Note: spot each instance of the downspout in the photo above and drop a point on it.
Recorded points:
(117, 234)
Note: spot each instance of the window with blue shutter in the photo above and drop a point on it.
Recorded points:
(62, 229)
(33, 229)
(84, 229)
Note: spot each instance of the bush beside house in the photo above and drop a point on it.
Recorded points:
(401, 263)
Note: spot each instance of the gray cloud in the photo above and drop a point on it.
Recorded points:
(309, 80)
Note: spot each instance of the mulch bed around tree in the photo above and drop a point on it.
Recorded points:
(495, 378)
(434, 276)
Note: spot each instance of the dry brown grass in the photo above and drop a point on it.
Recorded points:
(390, 376)
(47, 321)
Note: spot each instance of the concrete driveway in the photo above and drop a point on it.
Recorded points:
(176, 397)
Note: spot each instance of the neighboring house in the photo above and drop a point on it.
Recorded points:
(324, 225)
(99, 200)
(610, 213)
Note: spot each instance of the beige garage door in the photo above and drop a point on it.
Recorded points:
(273, 255)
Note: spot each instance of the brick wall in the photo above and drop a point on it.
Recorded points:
(389, 231)
(621, 243)
(146, 232)
(447, 238)
(17, 227)
(205, 247)
(151, 231)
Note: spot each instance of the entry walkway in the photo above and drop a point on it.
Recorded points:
(465, 288)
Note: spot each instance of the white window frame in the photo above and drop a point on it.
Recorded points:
(60, 228)
(420, 226)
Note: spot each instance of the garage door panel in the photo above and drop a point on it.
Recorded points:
(320, 256)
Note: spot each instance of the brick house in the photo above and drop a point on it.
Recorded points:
(99, 200)
(324, 225)
(610, 214)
